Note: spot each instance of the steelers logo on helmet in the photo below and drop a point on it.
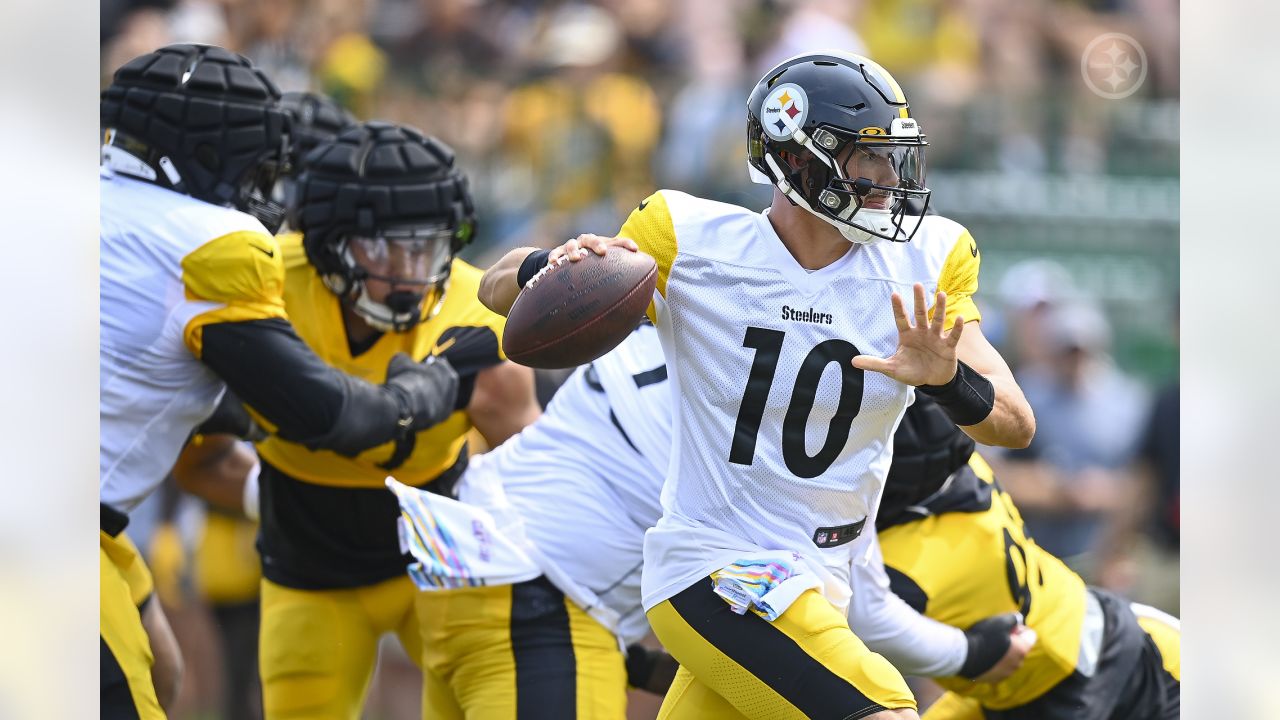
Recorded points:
(785, 110)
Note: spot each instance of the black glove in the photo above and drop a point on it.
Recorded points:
(425, 391)
(988, 640)
(650, 670)
(231, 418)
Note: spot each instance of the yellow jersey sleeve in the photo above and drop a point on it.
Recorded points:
(243, 272)
(650, 225)
(959, 280)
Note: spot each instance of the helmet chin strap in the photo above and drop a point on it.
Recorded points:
(849, 232)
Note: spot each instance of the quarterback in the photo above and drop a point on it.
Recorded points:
(192, 303)
(500, 645)
(783, 419)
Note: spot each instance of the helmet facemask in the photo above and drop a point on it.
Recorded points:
(260, 195)
(407, 265)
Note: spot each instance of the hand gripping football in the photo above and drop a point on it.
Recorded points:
(571, 313)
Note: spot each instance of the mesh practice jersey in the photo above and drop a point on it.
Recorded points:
(169, 265)
(585, 478)
(780, 443)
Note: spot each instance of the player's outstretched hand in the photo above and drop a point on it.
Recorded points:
(926, 354)
(577, 248)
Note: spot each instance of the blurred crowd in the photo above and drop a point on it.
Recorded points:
(566, 113)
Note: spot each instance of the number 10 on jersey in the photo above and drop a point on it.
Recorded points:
(768, 346)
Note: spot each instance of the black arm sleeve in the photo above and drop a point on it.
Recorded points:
(268, 366)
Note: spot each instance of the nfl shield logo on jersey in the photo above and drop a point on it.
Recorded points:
(821, 538)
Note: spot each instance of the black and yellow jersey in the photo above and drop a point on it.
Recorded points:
(963, 555)
(327, 520)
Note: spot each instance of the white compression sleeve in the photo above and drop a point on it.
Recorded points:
(913, 643)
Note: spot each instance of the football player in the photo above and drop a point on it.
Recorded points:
(529, 632)
(955, 549)
(213, 464)
(191, 303)
(372, 274)
(790, 375)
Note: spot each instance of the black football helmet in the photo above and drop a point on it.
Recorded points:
(313, 119)
(927, 449)
(202, 121)
(833, 132)
(380, 191)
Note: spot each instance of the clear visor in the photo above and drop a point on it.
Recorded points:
(417, 255)
(888, 167)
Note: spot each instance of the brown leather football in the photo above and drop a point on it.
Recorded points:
(574, 312)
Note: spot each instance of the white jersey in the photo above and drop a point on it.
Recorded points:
(586, 477)
(170, 264)
(780, 443)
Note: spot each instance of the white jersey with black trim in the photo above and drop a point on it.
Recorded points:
(780, 443)
(586, 476)
(166, 269)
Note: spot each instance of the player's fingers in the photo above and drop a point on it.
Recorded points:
(570, 249)
(625, 242)
(953, 338)
(595, 243)
(580, 249)
(922, 312)
(939, 312)
(900, 313)
(872, 363)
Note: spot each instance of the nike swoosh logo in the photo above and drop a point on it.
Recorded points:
(973, 248)
(269, 253)
(441, 347)
(643, 203)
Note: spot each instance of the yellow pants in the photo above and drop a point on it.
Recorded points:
(125, 688)
(517, 652)
(318, 648)
(805, 664)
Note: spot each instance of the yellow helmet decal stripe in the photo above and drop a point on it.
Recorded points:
(893, 84)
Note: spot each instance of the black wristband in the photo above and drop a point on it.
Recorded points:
(967, 399)
(532, 263)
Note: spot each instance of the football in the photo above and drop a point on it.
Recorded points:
(573, 312)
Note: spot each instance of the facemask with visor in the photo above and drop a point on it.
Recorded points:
(413, 262)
